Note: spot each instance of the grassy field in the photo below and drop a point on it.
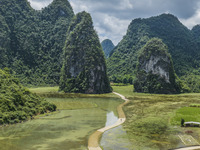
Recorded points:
(153, 121)
(43, 90)
(52, 92)
(187, 113)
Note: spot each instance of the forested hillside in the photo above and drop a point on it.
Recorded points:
(107, 46)
(182, 43)
(31, 41)
(18, 103)
(84, 68)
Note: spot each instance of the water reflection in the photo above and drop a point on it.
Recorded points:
(116, 138)
(111, 118)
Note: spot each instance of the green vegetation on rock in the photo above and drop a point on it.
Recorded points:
(31, 41)
(183, 45)
(155, 71)
(107, 46)
(18, 103)
(84, 68)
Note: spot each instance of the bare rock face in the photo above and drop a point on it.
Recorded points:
(155, 72)
(158, 65)
(84, 67)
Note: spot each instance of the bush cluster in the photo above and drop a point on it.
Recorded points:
(18, 103)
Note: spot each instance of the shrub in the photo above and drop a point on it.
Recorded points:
(17, 103)
(151, 126)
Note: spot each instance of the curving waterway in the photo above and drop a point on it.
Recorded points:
(116, 138)
(93, 142)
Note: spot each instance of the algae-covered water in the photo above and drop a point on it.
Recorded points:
(65, 130)
(116, 138)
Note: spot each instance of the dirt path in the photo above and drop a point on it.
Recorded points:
(189, 141)
(189, 148)
(93, 142)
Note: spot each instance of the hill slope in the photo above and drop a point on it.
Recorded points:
(32, 41)
(179, 39)
(18, 103)
(107, 46)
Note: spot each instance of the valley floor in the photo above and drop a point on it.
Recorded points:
(153, 122)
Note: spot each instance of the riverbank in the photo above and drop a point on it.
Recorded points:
(149, 119)
(93, 142)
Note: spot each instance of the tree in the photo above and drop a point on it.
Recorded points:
(16, 102)
(31, 41)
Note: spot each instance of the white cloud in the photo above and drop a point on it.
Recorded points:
(112, 17)
(192, 21)
(107, 25)
(38, 5)
(110, 27)
(78, 6)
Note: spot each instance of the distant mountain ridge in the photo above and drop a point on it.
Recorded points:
(181, 43)
(107, 46)
(32, 41)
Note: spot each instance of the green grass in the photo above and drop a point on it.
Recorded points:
(85, 103)
(124, 90)
(42, 90)
(63, 103)
(52, 92)
(153, 120)
(186, 113)
(194, 105)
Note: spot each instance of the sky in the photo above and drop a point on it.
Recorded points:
(112, 17)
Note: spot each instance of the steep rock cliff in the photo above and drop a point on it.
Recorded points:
(84, 67)
(155, 71)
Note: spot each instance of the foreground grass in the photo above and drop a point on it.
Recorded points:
(78, 117)
(43, 90)
(186, 113)
(153, 121)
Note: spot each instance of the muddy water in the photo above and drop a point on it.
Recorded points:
(66, 130)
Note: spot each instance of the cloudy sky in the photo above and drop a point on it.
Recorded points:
(112, 17)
